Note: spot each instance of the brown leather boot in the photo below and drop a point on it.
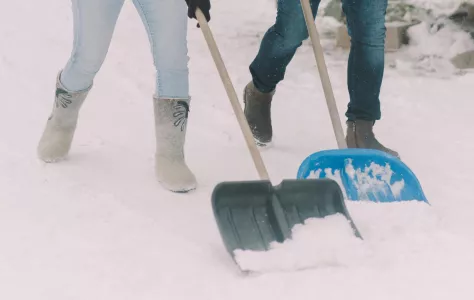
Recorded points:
(360, 135)
(258, 113)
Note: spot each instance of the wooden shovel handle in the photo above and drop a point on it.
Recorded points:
(323, 74)
(254, 152)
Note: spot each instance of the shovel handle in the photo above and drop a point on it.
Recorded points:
(244, 126)
(323, 74)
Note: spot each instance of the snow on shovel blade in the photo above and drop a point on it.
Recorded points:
(364, 174)
(251, 215)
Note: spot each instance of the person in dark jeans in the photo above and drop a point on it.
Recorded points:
(366, 27)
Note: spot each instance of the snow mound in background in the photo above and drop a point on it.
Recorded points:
(438, 7)
(430, 50)
(435, 41)
(432, 43)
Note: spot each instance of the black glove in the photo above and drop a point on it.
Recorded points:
(204, 5)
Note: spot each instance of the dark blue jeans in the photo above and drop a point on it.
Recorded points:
(366, 27)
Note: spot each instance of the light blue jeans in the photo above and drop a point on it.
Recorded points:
(166, 24)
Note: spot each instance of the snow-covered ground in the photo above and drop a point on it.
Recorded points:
(98, 226)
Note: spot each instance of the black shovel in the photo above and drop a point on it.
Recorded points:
(253, 214)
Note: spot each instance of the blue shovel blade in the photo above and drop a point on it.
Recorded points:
(364, 174)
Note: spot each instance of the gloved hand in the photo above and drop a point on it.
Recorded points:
(204, 5)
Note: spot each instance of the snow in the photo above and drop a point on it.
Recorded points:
(319, 243)
(434, 41)
(431, 50)
(98, 225)
(438, 7)
(372, 179)
(395, 237)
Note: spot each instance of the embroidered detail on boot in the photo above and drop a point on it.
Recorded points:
(62, 98)
(181, 114)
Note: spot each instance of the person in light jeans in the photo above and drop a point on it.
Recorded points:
(166, 24)
(366, 27)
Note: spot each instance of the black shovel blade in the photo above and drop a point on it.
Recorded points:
(253, 214)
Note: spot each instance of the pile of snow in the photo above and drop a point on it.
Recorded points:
(318, 243)
(437, 7)
(374, 177)
(394, 234)
(431, 48)
(435, 40)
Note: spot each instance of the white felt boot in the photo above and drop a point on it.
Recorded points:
(171, 117)
(57, 137)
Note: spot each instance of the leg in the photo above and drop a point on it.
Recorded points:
(366, 26)
(166, 23)
(94, 22)
(279, 44)
(277, 49)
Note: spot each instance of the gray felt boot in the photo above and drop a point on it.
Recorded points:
(258, 114)
(171, 117)
(57, 137)
(360, 135)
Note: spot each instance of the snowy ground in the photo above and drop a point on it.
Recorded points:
(98, 226)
